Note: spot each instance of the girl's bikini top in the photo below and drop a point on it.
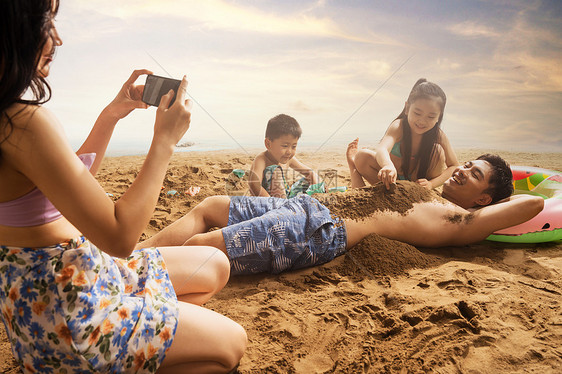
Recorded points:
(34, 208)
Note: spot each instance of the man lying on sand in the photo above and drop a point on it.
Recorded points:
(269, 234)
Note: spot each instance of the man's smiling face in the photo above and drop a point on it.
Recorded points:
(468, 184)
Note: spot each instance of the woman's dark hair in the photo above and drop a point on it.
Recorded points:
(428, 147)
(25, 27)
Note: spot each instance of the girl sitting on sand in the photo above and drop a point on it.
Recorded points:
(413, 148)
(74, 294)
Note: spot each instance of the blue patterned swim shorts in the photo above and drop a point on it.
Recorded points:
(267, 234)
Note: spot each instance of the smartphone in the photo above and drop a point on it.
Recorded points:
(156, 87)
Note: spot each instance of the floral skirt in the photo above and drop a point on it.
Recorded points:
(73, 308)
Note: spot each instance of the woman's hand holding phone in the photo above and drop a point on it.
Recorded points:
(173, 121)
(129, 97)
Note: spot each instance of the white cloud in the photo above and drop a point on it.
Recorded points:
(473, 29)
(447, 64)
(222, 15)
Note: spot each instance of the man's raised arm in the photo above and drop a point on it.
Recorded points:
(512, 211)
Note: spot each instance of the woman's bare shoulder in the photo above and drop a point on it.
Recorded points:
(32, 130)
(34, 118)
(20, 113)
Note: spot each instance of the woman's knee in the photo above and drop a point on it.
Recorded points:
(204, 341)
(214, 270)
(220, 266)
(235, 347)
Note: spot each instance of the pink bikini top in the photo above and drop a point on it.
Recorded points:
(34, 208)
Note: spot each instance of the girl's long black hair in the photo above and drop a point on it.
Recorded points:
(421, 90)
(25, 27)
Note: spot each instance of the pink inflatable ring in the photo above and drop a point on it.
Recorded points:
(545, 226)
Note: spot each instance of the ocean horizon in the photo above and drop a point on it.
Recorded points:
(135, 147)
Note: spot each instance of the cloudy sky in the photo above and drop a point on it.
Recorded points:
(342, 68)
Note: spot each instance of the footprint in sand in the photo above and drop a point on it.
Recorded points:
(455, 284)
(314, 363)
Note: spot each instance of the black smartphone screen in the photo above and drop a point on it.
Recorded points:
(156, 87)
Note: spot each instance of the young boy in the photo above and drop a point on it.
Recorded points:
(267, 176)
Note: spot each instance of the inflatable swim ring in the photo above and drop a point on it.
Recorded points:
(545, 226)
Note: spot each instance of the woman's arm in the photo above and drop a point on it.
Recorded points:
(41, 153)
(128, 99)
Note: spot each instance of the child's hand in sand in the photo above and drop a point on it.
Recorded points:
(351, 151)
(129, 97)
(425, 183)
(387, 175)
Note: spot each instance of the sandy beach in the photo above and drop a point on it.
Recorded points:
(385, 306)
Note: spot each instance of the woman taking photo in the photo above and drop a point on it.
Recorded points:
(74, 294)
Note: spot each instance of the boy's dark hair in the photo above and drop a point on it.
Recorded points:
(501, 179)
(282, 124)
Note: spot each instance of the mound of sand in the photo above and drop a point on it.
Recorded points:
(358, 203)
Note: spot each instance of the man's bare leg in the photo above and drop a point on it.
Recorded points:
(211, 212)
(213, 239)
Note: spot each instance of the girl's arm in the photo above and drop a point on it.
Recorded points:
(388, 173)
(308, 173)
(451, 163)
(128, 99)
(39, 150)
(256, 176)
